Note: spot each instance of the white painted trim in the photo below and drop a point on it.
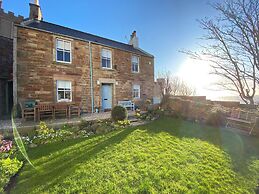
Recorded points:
(71, 91)
(102, 58)
(56, 50)
(138, 63)
(136, 88)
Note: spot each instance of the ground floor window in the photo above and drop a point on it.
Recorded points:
(136, 91)
(64, 91)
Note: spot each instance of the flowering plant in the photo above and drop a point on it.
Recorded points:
(6, 146)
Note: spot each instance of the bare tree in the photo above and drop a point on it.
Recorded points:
(233, 46)
(173, 85)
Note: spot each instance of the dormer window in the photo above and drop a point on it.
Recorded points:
(135, 64)
(106, 59)
(63, 51)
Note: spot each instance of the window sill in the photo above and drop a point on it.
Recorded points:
(62, 101)
(135, 72)
(107, 69)
(62, 63)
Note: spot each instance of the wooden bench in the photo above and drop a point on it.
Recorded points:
(127, 104)
(60, 109)
(243, 118)
(74, 109)
(45, 110)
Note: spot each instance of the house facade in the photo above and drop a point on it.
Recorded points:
(54, 64)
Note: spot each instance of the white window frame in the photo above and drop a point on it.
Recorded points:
(63, 50)
(104, 49)
(133, 63)
(136, 87)
(69, 89)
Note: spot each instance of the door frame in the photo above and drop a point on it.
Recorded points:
(112, 95)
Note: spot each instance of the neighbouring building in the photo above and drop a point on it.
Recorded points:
(53, 64)
(7, 21)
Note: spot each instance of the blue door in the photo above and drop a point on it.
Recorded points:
(106, 96)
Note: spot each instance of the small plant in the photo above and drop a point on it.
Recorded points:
(44, 129)
(124, 123)
(119, 113)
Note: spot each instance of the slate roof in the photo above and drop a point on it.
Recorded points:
(61, 30)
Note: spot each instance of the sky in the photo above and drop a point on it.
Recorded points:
(164, 27)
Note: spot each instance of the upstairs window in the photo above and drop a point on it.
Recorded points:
(64, 91)
(106, 59)
(63, 51)
(136, 91)
(135, 64)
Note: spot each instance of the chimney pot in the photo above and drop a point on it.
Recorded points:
(1, 4)
(134, 39)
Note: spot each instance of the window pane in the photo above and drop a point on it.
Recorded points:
(60, 95)
(104, 63)
(60, 55)
(62, 85)
(68, 95)
(60, 44)
(109, 54)
(108, 63)
(67, 46)
(104, 53)
(137, 87)
(134, 59)
(67, 57)
(136, 67)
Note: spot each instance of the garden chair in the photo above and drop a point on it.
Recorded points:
(28, 109)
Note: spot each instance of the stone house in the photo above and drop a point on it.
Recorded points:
(53, 64)
(7, 21)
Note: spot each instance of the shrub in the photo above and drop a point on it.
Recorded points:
(8, 168)
(216, 117)
(119, 113)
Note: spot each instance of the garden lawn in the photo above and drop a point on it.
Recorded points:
(166, 156)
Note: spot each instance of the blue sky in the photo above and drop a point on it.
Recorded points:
(163, 26)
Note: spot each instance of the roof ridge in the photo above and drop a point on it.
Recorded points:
(83, 32)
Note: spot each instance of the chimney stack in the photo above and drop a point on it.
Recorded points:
(35, 10)
(134, 39)
(1, 4)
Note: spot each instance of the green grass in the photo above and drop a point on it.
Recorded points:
(166, 156)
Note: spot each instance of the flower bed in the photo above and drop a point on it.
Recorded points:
(9, 164)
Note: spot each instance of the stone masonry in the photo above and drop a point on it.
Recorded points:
(37, 70)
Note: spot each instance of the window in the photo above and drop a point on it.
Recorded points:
(64, 91)
(136, 91)
(135, 64)
(106, 59)
(63, 51)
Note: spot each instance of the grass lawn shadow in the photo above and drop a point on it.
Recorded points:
(61, 164)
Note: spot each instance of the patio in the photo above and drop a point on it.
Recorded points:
(30, 124)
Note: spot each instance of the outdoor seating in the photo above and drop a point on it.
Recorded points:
(242, 118)
(28, 109)
(60, 109)
(74, 109)
(127, 104)
(45, 110)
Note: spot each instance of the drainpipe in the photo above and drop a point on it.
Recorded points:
(91, 76)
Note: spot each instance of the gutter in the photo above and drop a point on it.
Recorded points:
(91, 76)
